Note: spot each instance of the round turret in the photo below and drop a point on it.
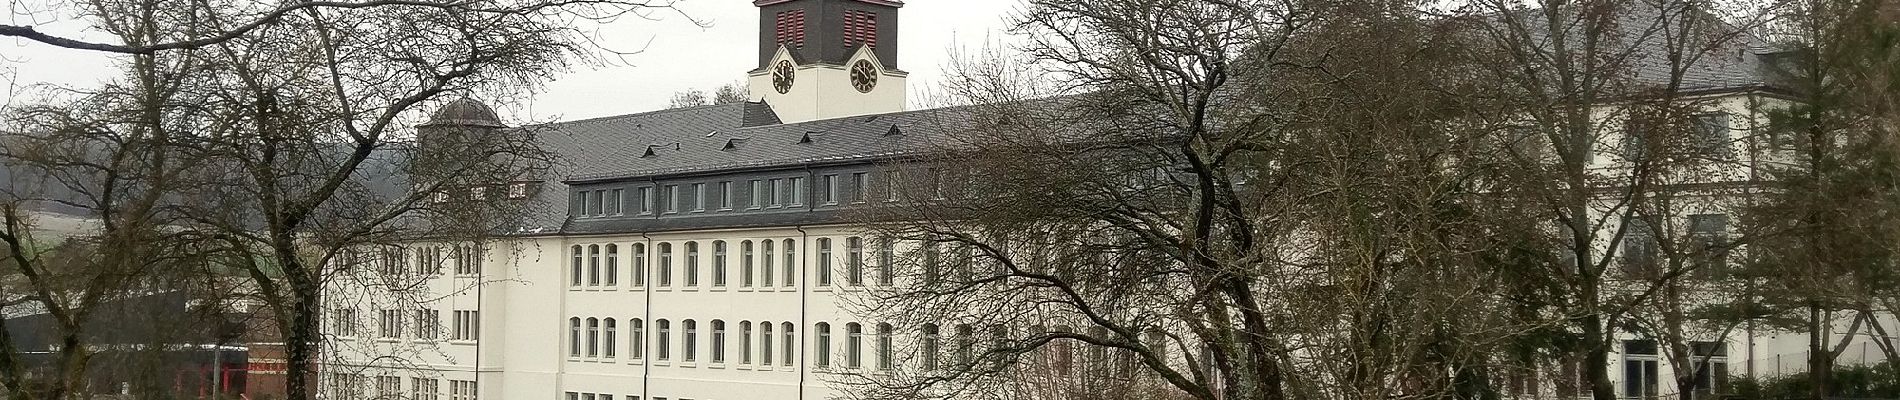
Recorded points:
(464, 112)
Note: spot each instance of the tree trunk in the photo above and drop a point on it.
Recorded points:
(1820, 358)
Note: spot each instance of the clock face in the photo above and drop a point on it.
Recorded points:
(863, 76)
(782, 76)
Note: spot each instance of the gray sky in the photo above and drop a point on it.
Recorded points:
(677, 56)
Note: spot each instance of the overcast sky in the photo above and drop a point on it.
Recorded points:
(678, 55)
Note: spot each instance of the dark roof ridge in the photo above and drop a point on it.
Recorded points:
(646, 113)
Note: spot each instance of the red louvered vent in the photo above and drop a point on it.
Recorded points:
(860, 27)
(791, 28)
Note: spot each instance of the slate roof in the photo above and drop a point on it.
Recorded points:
(1641, 31)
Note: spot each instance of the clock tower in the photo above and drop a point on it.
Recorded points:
(821, 59)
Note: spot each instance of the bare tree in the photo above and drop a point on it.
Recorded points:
(730, 93)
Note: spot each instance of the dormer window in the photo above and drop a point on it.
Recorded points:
(518, 191)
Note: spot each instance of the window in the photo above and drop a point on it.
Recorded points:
(936, 183)
(639, 264)
(718, 341)
(745, 342)
(966, 345)
(343, 322)
(692, 264)
(765, 343)
(423, 389)
(1639, 247)
(777, 193)
(666, 264)
(689, 346)
(1710, 235)
(999, 340)
(765, 263)
(859, 181)
(725, 195)
(594, 202)
(933, 269)
(468, 260)
(636, 344)
(612, 271)
(791, 265)
(574, 336)
(663, 342)
(886, 261)
(593, 337)
(1636, 144)
(645, 205)
(517, 190)
(719, 263)
(467, 325)
(593, 265)
(823, 350)
(390, 325)
(758, 194)
(699, 197)
(428, 324)
(1713, 135)
(893, 178)
(786, 344)
(854, 261)
(670, 199)
(1639, 370)
(824, 262)
(854, 345)
(461, 390)
(613, 201)
(885, 348)
(745, 263)
(576, 269)
(797, 192)
(931, 346)
(607, 328)
(829, 193)
(1710, 361)
(388, 386)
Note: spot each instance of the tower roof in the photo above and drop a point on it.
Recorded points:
(891, 3)
(465, 112)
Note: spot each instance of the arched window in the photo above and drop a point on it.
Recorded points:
(765, 343)
(576, 270)
(787, 346)
(719, 263)
(765, 263)
(854, 261)
(607, 338)
(791, 263)
(690, 343)
(823, 349)
(593, 265)
(663, 341)
(639, 264)
(745, 263)
(665, 268)
(612, 271)
(932, 345)
(999, 340)
(574, 337)
(692, 264)
(593, 337)
(854, 345)
(745, 342)
(636, 345)
(824, 262)
(718, 341)
(884, 347)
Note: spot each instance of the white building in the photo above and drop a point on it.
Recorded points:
(698, 254)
